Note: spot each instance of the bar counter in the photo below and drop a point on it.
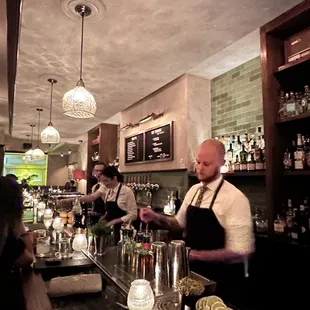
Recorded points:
(114, 289)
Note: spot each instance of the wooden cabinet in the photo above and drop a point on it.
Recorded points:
(102, 147)
(278, 75)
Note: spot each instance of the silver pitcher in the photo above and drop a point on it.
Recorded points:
(160, 265)
(178, 261)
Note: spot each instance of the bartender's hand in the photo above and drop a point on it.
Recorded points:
(148, 215)
(114, 222)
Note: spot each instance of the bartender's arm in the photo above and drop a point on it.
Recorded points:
(88, 198)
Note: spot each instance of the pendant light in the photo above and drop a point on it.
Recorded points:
(37, 153)
(78, 102)
(50, 134)
(28, 154)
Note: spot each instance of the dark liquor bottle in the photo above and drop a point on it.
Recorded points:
(243, 159)
(177, 202)
(251, 163)
(237, 164)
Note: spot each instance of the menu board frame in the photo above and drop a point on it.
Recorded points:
(143, 151)
(171, 143)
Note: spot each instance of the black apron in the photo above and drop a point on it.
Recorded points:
(204, 232)
(115, 212)
(98, 204)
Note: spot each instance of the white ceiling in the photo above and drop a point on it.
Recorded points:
(132, 48)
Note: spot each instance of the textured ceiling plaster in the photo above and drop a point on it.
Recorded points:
(3, 65)
(230, 57)
(134, 49)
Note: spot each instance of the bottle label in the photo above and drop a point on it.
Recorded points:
(279, 228)
(243, 167)
(237, 167)
(251, 166)
(298, 164)
(259, 166)
(294, 235)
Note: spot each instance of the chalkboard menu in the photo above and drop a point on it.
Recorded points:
(134, 149)
(158, 143)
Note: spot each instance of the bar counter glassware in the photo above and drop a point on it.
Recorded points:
(43, 246)
(140, 296)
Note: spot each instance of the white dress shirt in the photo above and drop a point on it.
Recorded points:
(232, 210)
(126, 200)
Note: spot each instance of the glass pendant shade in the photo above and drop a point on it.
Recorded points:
(28, 155)
(50, 134)
(79, 103)
(38, 154)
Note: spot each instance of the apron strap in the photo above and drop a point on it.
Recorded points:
(215, 194)
(194, 196)
(117, 194)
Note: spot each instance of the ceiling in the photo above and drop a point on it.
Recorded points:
(3, 66)
(132, 48)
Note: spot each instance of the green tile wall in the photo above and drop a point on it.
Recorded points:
(236, 98)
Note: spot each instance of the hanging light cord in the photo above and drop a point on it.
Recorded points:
(32, 134)
(51, 103)
(39, 127)
(82, 42)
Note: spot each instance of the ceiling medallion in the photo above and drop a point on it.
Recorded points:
(97, 8)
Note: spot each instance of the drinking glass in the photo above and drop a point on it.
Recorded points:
(140, 295)
(64, 247)
(43, 246)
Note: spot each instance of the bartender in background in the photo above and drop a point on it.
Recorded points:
(98, 204)
(217, 220)
(97, 193)
(120, 202)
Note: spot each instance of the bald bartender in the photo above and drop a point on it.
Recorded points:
(216, 217)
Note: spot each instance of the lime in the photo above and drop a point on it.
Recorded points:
(201, 303)
(218, 304)
(213, 299)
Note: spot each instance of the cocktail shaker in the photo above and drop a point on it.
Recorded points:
(178, 261)
(160, 265)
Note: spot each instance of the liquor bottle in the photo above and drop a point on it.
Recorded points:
(144, 265)
(295, 233)
(259, 164)
(120, 248)
(299, 154)
(177, 202)
(137, 250)
(230, 153)
(76, 209)
(286, 160)
(237, 164)
(303, 220)
(128, 251)
(279, 225)
(251, 163)
(289, 217)
(243, 159)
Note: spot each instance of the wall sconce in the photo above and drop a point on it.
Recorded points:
(61, 154)
(129, 126)
(79, 174)
(152, 116)
(69, 151)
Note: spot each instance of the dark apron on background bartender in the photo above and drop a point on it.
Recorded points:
(98, 204)
(114, 212)
(204, 232)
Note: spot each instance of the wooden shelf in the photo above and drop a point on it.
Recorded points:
(245, 174)
(237, 174)
(297, 172)
(293, 64)
(294, 118)
(295, 75)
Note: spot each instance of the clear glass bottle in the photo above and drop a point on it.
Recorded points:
(76, 209)
(279, 225)
(120, 248)
(128, 251)
(299, 155)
